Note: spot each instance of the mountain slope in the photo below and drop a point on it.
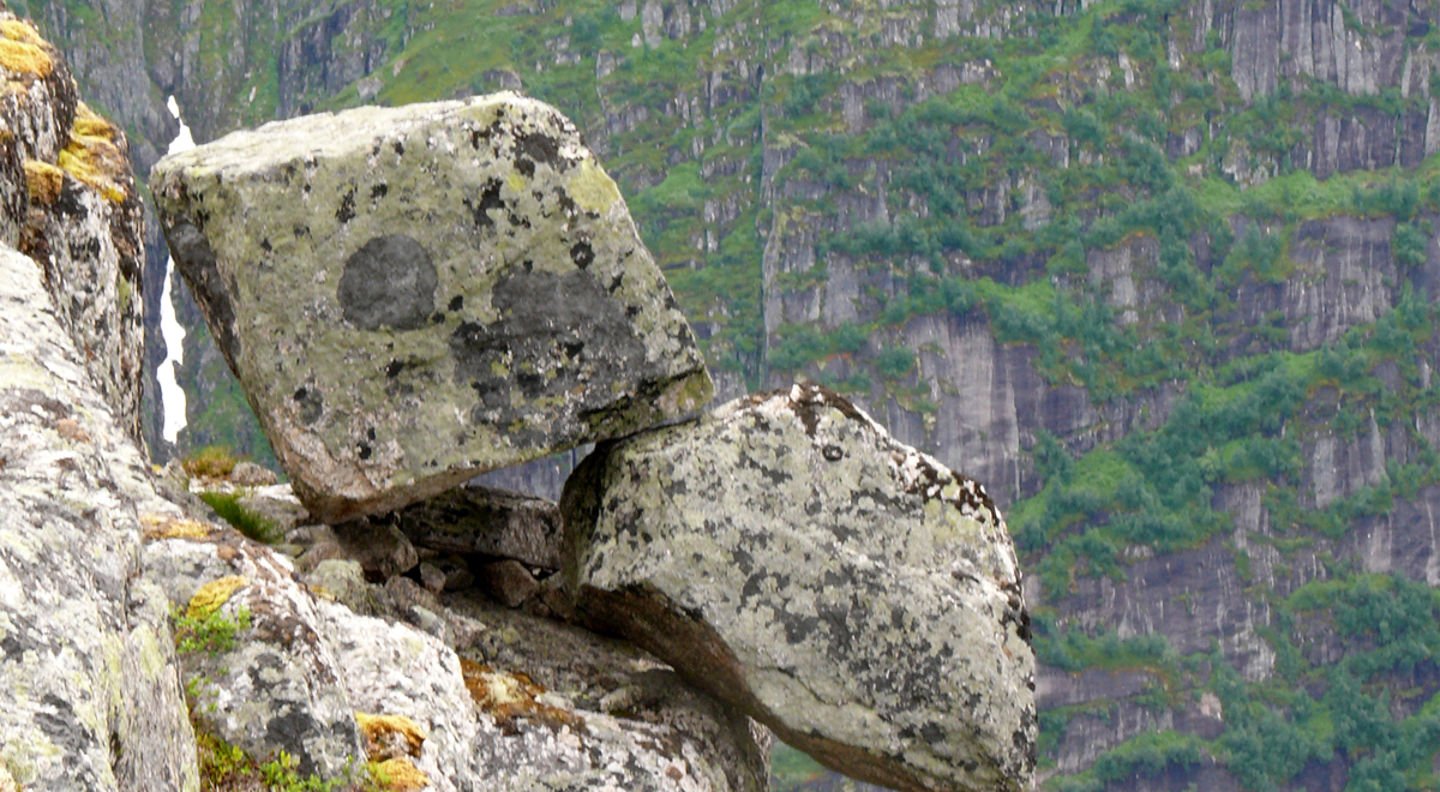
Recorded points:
(1162, 273)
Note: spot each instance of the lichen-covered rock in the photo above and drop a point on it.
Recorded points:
(789, 557)
(553, 707)
(582, 712)
(411, 296)
(68, 200)
(487, 521)
(88, 673)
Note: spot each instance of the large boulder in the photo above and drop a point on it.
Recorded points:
(788, 556)
(411, 296)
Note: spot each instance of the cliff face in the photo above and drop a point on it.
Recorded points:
(1162, 274)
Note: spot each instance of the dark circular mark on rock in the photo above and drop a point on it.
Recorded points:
(388, 282)
(393, 369)
(311, 405)
(456, 303)
(582, 254)
(833, 453)
(365, 450)
(378, 191)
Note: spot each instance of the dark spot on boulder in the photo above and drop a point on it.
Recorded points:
(567, 204)
(833, 453)
(364, 450)
(389, 282)
(346, 212)
(489, 199)
(437, 318)
(59, 722)
(546, 320)
(301, 231)
(197, 264)
(393, 369)
(378, 191)
(518, 221)
(477, 135)
(582, 254)
(311, 405)
(399, 147)
(456, 303)
(294, 727)
(532, 148)
(370, 433)
(265, 245)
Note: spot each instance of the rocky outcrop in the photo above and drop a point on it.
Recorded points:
(787, 556)
(72, 206)
(471, 294)
(87, 666)
(492, 697)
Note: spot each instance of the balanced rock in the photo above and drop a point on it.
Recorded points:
(411, 296)
(789, 557)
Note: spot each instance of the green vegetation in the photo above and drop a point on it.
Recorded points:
(210, 631)
(229, 508)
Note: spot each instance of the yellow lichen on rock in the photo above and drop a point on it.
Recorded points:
(93, 157)
(390, 736)
(43, 182)
(508, 697)
(22, 51)
(159, 526)
(592, 189)
(212, 595)
(399, 775)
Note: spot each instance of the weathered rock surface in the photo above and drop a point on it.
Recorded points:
(786, 555)
(676, 737)
(88, 672)
(412, 296)
(68, 200)
(533, 704)
(487, 521)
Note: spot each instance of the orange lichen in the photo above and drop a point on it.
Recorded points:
(157, 526)
(93, 157)
(509, 697)
(43, 182)
(390, 736)
(399, 775)
(212, 595)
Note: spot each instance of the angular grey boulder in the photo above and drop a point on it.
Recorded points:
(789, 557)
(415, 295)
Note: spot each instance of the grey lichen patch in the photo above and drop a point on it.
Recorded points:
(462, 290)
(388, 282)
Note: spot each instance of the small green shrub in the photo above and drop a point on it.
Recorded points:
(213, 632)
(210, 462)
(227, 505)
